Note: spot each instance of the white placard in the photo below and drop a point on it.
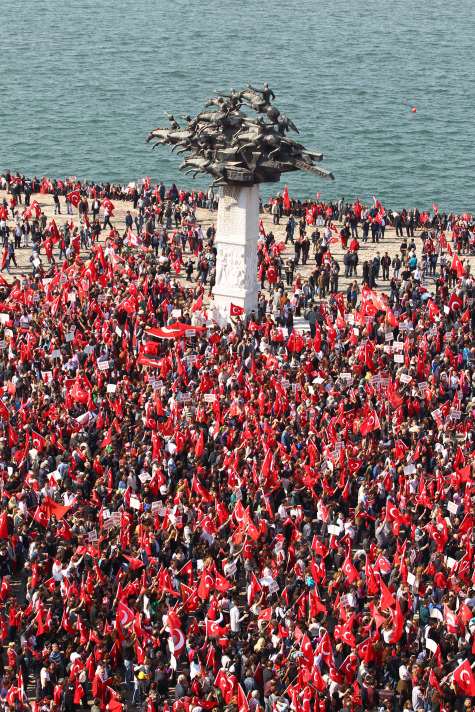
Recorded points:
(144, 477)
(410, 578)
(409, 469)
(108, 524)
(189, 333)
(456, 414)
(452, 507)
(49, 376)
(333, 529)
(398, 345)
(92, 535)
(103, 365)
(4, 318)
(273, 587)
(111, 388)
(134, 501)
(156, 507)
(389, 336)
(404, 378)
(398, 358)
(423, 386)
(185, 397)
(106, 514)
(56, 353)
(344, 602)
(176, 313)
(431, 645)
(89, 349)
(285, 383)
(118, 332)
(209, 397)
(230, 569)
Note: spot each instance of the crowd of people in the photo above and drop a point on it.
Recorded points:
(244, 518)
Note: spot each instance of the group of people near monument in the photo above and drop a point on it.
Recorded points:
(247, 518)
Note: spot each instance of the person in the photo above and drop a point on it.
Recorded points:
(266, 503)
(385, 264)
(107, 216)
(289, 229)
(210, 197)
(275, 210)
(57, 206)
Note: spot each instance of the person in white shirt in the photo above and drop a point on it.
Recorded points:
(235, 617)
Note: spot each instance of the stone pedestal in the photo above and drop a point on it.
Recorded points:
(237, 234)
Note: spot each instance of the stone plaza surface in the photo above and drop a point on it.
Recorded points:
(389, 244)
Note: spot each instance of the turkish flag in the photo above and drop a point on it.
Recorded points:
(265, 614)
(457, 266)
(370, 423)
(349, 570)
(325, 649)
(307, 651)
(107, 205)
(387, 599)
(465, 679)
(453, 622)
(12, 436)
(38, 441)
(124, 615)
(128, 305)
(235, 311)
(455, 302)
(206, 584)
(286, 198)
(197, 487)
(134, 563)
(74, 198)
(3, 526)
(198, 304)
(221, 583)
(176, 634)
(199, 447)
(213, 629)
(398, 624)
(46, 510)
(319, 548)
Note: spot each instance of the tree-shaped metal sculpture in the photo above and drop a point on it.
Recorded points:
(235, 147)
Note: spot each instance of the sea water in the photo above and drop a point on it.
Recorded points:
(83, 82)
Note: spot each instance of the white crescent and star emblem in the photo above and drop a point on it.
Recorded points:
(178, 640)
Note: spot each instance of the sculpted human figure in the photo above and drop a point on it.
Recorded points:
(267, 94)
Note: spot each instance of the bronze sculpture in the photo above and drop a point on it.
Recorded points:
(237, 148)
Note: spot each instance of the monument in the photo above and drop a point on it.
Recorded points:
(239, 149)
